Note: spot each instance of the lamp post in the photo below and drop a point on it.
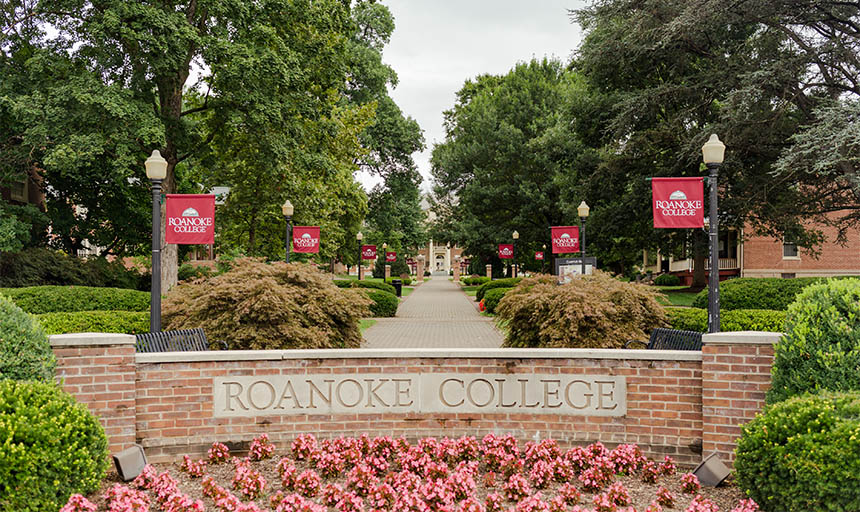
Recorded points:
(287, 210)
(712, 154)
(583, 210)
(515, 236)
(543, 261)
(359, 237)
(156, 171)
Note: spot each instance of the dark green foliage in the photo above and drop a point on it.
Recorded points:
(405, 281)
(757, 293)
(821, 348)
(475, 280)
(52, 299)
(124, 322)
(694, 319)
(398, 267)
(258, 305)
(384, 303)
(801, 454)
(595, 311)
(354, 283)
(50, 447)
(498, 283)
(24, 350)
(38, 267)
(667, 280)
(492, 298)
(188, 271)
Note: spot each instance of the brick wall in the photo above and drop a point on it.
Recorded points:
(99, 370)
(677, 401)
(762, 257)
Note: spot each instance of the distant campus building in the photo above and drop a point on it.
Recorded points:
(761, 256)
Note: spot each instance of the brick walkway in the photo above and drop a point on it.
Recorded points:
(436, 315)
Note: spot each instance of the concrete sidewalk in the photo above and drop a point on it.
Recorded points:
(436, 315)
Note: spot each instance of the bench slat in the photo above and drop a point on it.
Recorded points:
(183, 340)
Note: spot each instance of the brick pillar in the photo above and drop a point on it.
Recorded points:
(456, 271)
(98, 369)
(735, 377)
(387, 272)
(420, 270)
(490, 271)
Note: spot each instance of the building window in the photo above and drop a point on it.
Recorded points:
(791, 275)
(789, 250)
(18, 190)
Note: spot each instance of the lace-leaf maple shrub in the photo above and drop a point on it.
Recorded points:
(258, 305)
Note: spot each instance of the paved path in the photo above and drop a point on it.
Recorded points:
(436, 315)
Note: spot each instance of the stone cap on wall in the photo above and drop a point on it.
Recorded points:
(398, 353)
(84, 339)
(741, 338)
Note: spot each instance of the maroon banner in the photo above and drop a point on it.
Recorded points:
(506, 251)
(565, 239)
(190, 219)
(306, 239)
(539, 255)
(678, 202)
(390, 257)
(368, 252)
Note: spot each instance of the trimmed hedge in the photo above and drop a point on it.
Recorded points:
(52, 299)
(693, 319)
(384, 303)
(354, 283)
(492, 298)
(821, 348)
(498, 283)
(758, 292)
(123, 322)
(801, 454)
(405, 281)
(50, 447)
(667, 280)
(25, 353)
(40, 267)
(475, 280)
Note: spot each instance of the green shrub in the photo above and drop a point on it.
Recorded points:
(498, 283)
(757, 293)
(40, 267)
(397, 267)
(476, 280)
(821, 346)
(123, 322)
(52, 299)
(405, 281)
(384, 303)
(596, 311)
(25, 353)
(492, 298)
(694, 319)
(50, 447)
(188, 271)
(354, 283)
(801, 454)
(667, 280)
(256, 305)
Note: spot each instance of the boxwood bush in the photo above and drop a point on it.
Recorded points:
(757, 293)
(821, 347)
(492, 298)
(693, 319)
(596, 311)
(801, 454)
(667, 280)
(50, 447)
(475, 280)
(258, 305)
(51, 299)
(354, 283)
(498, 283)
(39, 267)
(384, 303)
(405, 281)
(24, 350)
(123, 322)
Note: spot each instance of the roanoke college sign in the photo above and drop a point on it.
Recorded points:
(582, 395)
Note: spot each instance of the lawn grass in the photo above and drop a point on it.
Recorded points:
(671, 288)
(365, 323)
(406, 290)
(677, 299)
(471, 291)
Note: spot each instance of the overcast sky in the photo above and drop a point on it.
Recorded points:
(439, 44)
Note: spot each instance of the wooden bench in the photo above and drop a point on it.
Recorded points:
(671, 339)
(185, 340)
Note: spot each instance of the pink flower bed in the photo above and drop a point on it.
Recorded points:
(383, 474)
